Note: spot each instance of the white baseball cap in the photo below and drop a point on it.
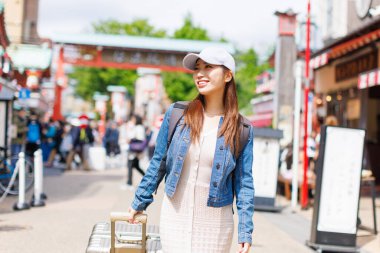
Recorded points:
(211, 55)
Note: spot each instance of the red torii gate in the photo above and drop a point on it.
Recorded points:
(122, 52)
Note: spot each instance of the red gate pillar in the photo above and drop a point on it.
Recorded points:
(60, 83)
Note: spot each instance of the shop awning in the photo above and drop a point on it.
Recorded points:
(344, 48)
(369, 79)
(319, 61)
(262, 120)
(30, 56)
(357, 39)
(354, 44)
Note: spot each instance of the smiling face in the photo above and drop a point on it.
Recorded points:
(209, 78)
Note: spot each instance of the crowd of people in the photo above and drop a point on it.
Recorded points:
(68, 141)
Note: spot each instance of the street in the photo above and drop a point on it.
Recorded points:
(79, 199)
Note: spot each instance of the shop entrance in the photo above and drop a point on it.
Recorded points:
(373, 132)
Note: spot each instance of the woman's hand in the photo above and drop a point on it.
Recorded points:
(244, 247)
(131, 213)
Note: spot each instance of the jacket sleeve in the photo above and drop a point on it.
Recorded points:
(244, 191)
(153, 176)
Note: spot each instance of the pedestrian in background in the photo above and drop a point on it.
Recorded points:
(137, 144)
(111, 139)
(51, 139)
(67, 142)
(82, 140)
(204, 168)
(33, 135)
(19, 129)
(155, 129)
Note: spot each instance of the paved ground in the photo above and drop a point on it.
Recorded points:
(77, 200)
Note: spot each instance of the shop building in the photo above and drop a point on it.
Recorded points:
(347, 78)
(7, 87)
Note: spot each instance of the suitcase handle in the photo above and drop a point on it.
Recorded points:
(120, 216)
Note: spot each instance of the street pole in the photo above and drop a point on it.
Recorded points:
(304, 196)
(296, 132)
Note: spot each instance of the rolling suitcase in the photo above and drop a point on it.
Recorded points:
(121, 237)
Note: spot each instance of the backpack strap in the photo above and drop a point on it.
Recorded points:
(244, 133)
(177, 113)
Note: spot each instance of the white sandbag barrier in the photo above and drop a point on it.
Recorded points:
(38, 195)
(21, 203)
(97, 158)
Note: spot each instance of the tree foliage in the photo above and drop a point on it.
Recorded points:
(91, 80)
(190, 31)
(179, 86)
(248, 68)
(138, 27)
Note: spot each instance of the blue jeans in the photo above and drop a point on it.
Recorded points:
(15, 150)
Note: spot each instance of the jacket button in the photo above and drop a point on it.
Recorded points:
(217, 166)
(215, 184)
(221, 147)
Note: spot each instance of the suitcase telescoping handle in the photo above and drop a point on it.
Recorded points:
(120, 216)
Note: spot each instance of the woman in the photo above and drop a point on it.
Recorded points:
(111, 139)
(136, 134)
(205, 166)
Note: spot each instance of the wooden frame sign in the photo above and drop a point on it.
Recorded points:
(336, 203)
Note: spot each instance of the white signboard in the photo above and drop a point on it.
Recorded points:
(341, 180)
(265, 166)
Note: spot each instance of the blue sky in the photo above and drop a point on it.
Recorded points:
(246, 23)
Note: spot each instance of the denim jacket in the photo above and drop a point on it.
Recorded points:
(229, 177)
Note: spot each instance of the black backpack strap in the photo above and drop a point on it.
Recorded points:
(244, 133)
(177, 113)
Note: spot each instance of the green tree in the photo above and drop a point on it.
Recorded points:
(248, 68)
(190, 31)
(138, 27)
(91, 80)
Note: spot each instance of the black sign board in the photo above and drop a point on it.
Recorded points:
(336, 204)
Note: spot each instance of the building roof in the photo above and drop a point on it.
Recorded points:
(30, 56)
(138, 42)
(359, 32)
